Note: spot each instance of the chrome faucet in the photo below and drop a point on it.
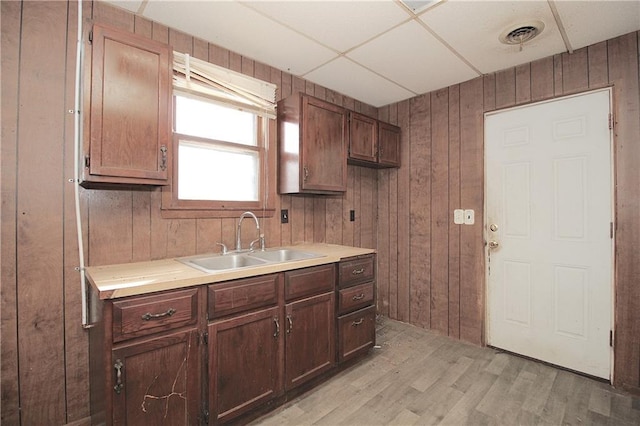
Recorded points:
(260, 238)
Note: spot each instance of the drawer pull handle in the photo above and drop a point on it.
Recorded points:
(277, 332)
(118, 367)
(358, 297)
(357, 271)
(357, 323)
(290, 324)
(149, 316)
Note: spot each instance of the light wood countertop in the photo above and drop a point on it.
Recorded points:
(130, 279)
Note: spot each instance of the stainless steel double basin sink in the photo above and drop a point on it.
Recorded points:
(222, 262)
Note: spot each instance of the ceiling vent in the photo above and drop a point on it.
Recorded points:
(417, 6)
(522, 33)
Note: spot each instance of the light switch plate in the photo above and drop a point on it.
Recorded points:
(469, 217)
(458, 216)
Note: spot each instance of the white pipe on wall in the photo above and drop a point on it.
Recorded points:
(76, 167)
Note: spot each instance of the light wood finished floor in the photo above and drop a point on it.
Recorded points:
(419, 378)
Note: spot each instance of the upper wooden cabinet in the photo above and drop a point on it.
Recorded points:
(373, 143)
(130, 106)
(388, 145)
(363, 138)
(313, 142)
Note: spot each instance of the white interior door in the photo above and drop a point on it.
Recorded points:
(549, 211)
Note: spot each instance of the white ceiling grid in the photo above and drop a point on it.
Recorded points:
(380, 51)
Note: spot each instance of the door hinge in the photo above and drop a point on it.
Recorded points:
(611, 338)
(87, 161)
(90, 36)
(611, 230)
(611, 121)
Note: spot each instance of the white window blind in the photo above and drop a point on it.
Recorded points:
(200, 78)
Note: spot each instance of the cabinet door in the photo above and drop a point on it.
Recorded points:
(310, 338)
(245, 363)
(388, 145)
(363, 137)
(157, 381)
(324, 146)
(130, 109)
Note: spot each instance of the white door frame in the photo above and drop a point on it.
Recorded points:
(485, 231)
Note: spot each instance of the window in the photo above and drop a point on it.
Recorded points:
(218, 153)
(220, 157)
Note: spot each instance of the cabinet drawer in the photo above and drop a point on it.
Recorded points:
(309, 281)
(355, 297)
(356, 333)
(357, 270)
(242, 295)
(143, 315)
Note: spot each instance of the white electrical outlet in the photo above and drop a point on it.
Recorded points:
(458, 216)
(469, 217)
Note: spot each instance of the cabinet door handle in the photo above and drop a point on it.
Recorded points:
(163, 160)
(357, 323)
(357, 271)
(277, 332)
(290, 321)
(358, 297)
(118, 367)
(306, 173)
(149, 316)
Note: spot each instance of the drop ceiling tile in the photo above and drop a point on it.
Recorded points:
(242, 30)
(590, 22)
(131, 5)
(413, 58)
(357, 82)
(472, 28)
(340, 25)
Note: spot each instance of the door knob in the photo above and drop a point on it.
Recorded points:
(493, 227)
(493, 244)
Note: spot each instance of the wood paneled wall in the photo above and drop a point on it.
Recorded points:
(431, 272)
(44, 365)
(439, 266)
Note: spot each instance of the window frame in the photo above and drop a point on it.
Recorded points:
(173, 207)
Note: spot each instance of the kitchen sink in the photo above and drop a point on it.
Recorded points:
(283, 255)
(223, 262)
(216, 262)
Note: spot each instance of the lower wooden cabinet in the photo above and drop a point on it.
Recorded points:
(146, 358)
(356, 306)
(310, 338)
(222, 353)
(245, 363)
(157, 381)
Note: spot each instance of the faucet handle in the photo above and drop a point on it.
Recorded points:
(259, 240)
(224, 248)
